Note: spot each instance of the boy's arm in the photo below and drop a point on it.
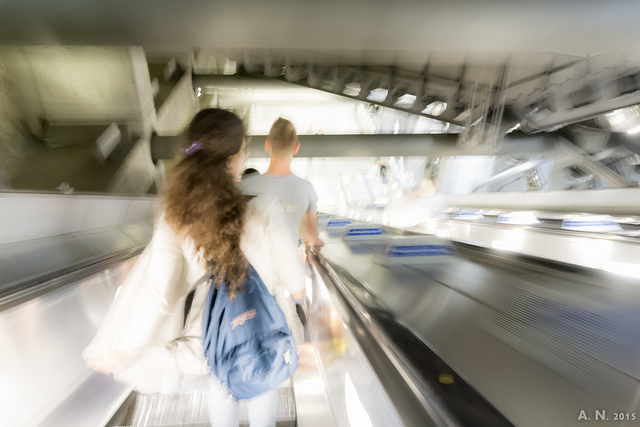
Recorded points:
(310, 219)
(311, 228)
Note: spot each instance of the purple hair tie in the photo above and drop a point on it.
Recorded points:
(195, 146)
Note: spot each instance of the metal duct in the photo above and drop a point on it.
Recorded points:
(166, 147)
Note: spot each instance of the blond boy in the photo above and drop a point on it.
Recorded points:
(298, 199)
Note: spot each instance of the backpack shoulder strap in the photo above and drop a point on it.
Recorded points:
(189, 301)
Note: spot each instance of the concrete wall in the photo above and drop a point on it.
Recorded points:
(179, 108)
(12, 131)
(79, 85)
(137, 173)
(143, 85)
(72, 84)
(32, 216)
(24, 90)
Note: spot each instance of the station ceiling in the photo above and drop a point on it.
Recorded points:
(407, 34)
(441, 39)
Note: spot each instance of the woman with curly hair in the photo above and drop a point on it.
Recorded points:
(145, 339)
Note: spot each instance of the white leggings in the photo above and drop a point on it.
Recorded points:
(223, 409)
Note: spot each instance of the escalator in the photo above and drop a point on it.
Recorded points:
(355, 367)
(479, 339)
(45, 327)
(541, 341)
(59, 272)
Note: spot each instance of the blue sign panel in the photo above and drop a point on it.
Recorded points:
(338, 223)
(419, 250)
(578, 223)
(365, 232)
(467, 215)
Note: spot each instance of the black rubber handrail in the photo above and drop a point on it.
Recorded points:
(25, 290)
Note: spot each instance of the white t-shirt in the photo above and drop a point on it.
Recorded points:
(296, 195)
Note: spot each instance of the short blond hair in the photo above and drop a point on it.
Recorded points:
(283, 136)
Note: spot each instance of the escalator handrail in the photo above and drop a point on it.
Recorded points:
(28, 289)
(533, 228)
(433, 392)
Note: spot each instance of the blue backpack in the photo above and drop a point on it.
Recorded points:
(247, 342)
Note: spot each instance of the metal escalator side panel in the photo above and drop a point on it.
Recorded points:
(444, 394)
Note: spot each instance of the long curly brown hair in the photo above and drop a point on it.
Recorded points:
(202, 201)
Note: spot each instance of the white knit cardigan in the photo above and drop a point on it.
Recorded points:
(145, 320)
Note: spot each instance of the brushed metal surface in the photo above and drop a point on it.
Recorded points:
(312, 405)
(353, 390)
(41, 365)
(539, 347)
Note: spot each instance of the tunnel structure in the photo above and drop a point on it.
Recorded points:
(479, 210)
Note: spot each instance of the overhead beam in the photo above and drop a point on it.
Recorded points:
(512, 171)
(367, 80)
(166, 147)
(602, 173)
(237, 81)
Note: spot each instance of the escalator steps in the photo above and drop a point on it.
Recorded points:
(158, 410)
